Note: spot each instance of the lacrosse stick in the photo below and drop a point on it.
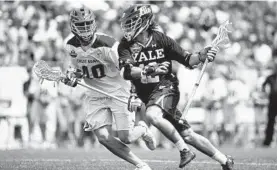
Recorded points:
(43, 71)
(221, 40)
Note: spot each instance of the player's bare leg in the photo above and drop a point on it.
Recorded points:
(130, 136)
(142, 130)
(155, 116)
(118, 148)
(205, 146)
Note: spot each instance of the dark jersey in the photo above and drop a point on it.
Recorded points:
(159, 48)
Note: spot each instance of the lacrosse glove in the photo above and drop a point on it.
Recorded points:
(209, 53)
(134, 103)
(154, 69)
(72, 82)
(72, 76)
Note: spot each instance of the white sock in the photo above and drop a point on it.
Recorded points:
(181, 145)
(219, 157)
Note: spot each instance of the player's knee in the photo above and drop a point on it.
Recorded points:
(126, 139)
(188, 135)
(154, 114)
(103, 138)
(125, 136)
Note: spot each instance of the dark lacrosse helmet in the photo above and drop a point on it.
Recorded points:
(135, 20)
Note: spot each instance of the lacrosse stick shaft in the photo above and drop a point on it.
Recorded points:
(102, 92)
(221, 39)
(185, 111)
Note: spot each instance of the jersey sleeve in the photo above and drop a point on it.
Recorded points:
(106, 40)
(124, 55)
(175, 51)
(110, 56)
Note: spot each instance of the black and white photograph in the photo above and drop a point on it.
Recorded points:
(138, 85)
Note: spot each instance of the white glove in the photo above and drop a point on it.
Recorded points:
(134, 103)
(154, 69)
(162, 68)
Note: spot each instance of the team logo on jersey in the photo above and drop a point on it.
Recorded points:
(149, 55)
(73, 54)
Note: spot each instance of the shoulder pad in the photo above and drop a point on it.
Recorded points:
(103, 40)
(74, 42)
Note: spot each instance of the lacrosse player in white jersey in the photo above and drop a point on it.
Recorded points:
(94, 60)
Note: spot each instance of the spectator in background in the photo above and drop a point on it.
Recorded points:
(271, 82)
(13, 104)
(43, 113)
(215, 96)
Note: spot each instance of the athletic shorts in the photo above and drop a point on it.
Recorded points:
(103, 110)
(167, 99)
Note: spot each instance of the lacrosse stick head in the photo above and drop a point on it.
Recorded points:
(44, 72)
(222, 40)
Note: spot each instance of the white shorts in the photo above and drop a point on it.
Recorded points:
(102, 111)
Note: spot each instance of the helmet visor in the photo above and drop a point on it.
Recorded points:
(130, 26)
(84, 29)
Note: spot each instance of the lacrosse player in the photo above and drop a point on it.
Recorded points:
(146, 56)
(94, 60)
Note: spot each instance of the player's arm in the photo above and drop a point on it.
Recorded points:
(130, 72)
(70, 65)
(184, 57)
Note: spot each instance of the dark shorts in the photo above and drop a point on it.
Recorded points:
(167, 99)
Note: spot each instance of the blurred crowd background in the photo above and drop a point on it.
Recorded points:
(230, 107)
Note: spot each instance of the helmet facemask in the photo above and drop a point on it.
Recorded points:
(130, 26)
(84, 29)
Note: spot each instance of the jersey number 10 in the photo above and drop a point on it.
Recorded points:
(97, 71)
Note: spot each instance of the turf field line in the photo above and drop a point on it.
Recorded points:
(146, 160)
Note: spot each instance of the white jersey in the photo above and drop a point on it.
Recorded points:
(98, 63)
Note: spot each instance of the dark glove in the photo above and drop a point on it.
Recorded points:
(76, 73)
(134, 103)
(209, 53)
(72, 82)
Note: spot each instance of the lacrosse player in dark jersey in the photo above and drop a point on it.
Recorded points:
(146, 56)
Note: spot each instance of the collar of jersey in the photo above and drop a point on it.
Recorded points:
(147, 44)
(92, 42)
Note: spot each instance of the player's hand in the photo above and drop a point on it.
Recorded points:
(162, 68)
(76, 73)
(71, 78)
(154, 69)
(134, 103)
(209, 53)
(72, 82)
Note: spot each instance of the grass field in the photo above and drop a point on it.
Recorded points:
(101, 159)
